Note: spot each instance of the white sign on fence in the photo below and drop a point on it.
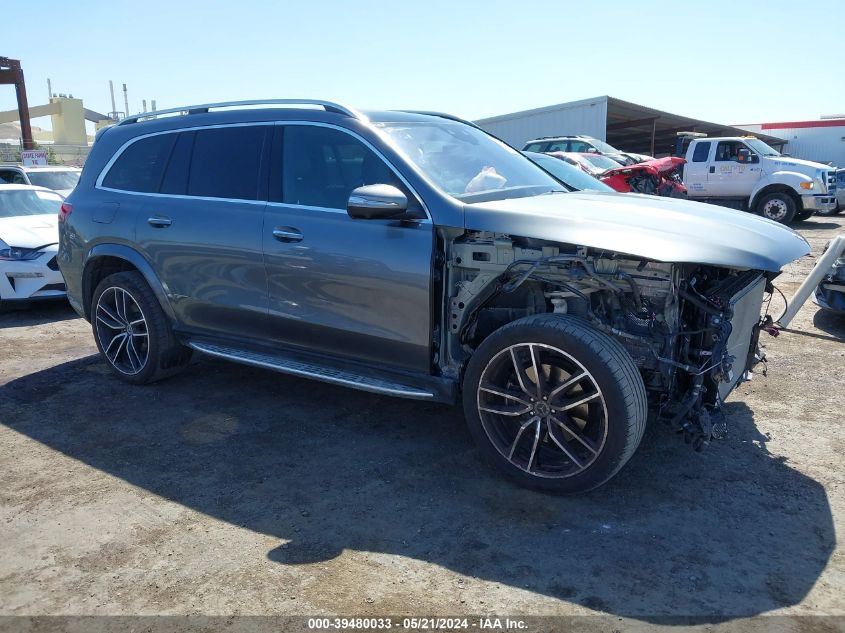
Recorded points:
(34, 157)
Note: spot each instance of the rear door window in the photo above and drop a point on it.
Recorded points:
(701, 152)
(558, 146)
(141, 165)
(228, 162)
(534, 147)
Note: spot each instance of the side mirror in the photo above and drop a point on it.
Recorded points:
(746, 156)
(376, 202)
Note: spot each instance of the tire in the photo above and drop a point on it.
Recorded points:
(142, 322)
(778, 207)
(498, 403)
(803, 215)
(839, 209)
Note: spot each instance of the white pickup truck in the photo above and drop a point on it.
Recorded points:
(746, 173)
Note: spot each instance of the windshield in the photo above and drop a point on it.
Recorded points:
(601, 162)
(467, 163)
(54, 179)
(15, 202)
(760, 147)
(568, 174)
(604, 147)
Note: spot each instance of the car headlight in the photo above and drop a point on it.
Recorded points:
(16, 254)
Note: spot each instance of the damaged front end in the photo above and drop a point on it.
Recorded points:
(691, 329)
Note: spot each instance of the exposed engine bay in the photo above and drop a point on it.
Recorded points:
(691, 329)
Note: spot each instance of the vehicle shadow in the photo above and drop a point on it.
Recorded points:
(815, 222)
(35, 313)
(734, 531)
(830, 322)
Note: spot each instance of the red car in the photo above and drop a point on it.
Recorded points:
(659, 176)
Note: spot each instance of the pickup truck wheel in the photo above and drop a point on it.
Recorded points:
(554, 404)
(803, 215)
(777, 206)
(132, 332)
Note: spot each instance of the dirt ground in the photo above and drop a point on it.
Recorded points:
(232, 490)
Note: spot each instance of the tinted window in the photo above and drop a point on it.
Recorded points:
(141, 165)
(176, 175)
(702, 151)
(226, 162)
(322, 166)
(558, 146)
(534, 147)
(11, 176)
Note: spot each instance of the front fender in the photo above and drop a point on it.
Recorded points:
(133, 257)
(791, 179)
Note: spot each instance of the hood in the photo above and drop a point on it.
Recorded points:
(30, 231)
(664, 165)
(781, 163)
(658, 228)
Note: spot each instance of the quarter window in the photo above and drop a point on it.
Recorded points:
(226, 162)
(702, 151)
(141, 165)
(321, 166)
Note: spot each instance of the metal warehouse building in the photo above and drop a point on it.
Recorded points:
(627, 126)
(822, 141)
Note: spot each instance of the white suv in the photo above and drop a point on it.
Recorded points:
(61, 179)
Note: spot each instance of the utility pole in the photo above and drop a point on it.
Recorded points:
(113, 112)
(125, 99)
(12, 73)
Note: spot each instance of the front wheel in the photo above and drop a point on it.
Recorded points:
(778, 207)
(554, 404)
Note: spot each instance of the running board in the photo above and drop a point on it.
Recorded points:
(311, 370)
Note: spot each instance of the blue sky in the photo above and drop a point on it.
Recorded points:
(730, 62)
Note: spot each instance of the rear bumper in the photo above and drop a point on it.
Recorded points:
(825, 202)
(29, 280)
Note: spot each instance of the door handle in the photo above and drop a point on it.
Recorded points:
(712, 169)
(159, 222)
(287, 234)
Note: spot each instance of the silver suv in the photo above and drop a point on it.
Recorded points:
(414, 255)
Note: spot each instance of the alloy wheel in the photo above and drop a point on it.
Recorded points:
(122, 330)
(542, 410)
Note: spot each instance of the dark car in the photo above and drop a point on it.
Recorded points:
(414, 255)
(573, 177)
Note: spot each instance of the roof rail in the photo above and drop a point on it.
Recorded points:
(328, 106)
(442, 115)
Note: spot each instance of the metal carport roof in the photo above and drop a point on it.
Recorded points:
(643, 130)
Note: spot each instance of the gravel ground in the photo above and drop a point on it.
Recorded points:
(231, 490)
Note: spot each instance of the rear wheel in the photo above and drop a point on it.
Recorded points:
(132, 332)
(778, 206)
(554, 404)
